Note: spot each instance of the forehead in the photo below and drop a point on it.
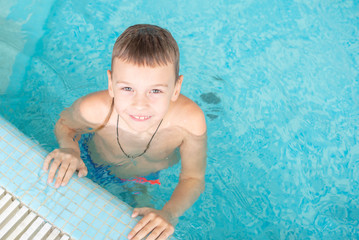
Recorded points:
(124, 69)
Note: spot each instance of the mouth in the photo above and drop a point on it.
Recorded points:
(140, 118)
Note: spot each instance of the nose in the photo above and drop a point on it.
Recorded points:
(140, 101)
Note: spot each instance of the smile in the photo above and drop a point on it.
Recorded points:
(140, 118)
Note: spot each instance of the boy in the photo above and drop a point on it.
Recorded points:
(138, 123)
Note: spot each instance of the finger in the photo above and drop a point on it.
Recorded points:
(47, 161)
(157, 231)
(54, 166)
(70, 171)
(140, 212)
(82, 172)
(167, 233)
(143, 222)
(61, 173)
(145, 230)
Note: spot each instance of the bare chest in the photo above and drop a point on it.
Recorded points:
(117, 151)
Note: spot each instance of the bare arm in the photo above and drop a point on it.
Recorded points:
(191, 182)
(159, 224)
(73, 121)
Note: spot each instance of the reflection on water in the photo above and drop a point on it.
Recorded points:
(282, 109)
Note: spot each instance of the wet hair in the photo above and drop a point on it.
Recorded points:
(144, 45)
(147, 45)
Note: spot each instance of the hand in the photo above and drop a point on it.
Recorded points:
(67, 160)
(156, 222)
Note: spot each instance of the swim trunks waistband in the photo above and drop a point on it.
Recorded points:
(152, 179)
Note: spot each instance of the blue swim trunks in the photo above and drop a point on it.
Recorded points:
(152, 178)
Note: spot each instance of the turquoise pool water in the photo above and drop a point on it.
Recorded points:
(278, 81)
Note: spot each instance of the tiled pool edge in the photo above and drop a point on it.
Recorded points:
(82, 209)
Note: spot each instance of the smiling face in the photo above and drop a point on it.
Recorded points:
(142, 94)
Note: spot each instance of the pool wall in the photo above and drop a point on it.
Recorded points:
(81, 209)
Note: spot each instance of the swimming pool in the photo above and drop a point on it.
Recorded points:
(278, 81)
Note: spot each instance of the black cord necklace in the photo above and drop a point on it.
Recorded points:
(132, 158)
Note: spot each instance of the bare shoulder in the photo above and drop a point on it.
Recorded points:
(94, 107)
(189, 116)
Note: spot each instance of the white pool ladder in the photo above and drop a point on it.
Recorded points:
(18, 222)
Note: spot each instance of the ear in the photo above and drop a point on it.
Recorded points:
(177, 89)
(110, 87)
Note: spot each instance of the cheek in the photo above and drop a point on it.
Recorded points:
(120, 103)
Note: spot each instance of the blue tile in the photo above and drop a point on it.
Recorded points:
(95, 210)
(9, 149)
(66, 214)
(87, 205)
(75, 220)
(98, 191)
(11, 187)
(125, 219)
(72, 207)
(120, 227)
(81, 212)
(44, 211)
(83, 226)
(31, 154)
(57, 209)
(103, 216)
(111, 221)
(4, 169)
(70, 194)
(3, 156)
(10, 162)
(77, 234)
(3, 133)
(78, 199)
(18, 180)
(89, 218)
(99, 235)
(133, 223)
(113, 235)
(97, 223)
(126, 232)
(107, 197)
(122, 237)
(32, 167)
(3, 144)
(24, 160)
(105, 229)
(26, 198)
(122, 206)
(25, 186)
(35, 205)
(16, 143)
(100, 203)
(4, 181)
(23, 148)
(59, 222)
(84, 192)
(109, 208)
(9, 138)
(26, 173)
(117, 213)
(37, 159)
(91, 231)
(69, 227)
(16, 155)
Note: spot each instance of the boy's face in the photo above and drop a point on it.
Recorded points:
(142, 94)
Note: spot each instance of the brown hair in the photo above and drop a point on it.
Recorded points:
(147, 45)
(144, 45)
